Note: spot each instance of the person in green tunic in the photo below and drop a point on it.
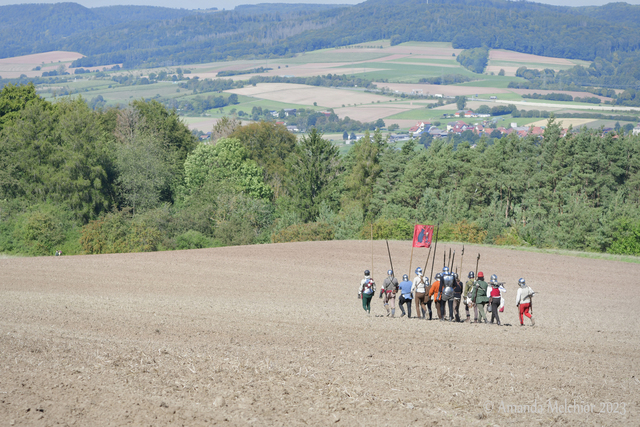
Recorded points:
(468, 288)
(480, 297)
(366, 291)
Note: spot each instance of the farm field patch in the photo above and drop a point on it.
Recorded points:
(14, 67)
(165, 336)
(565, 123)
(303, 94)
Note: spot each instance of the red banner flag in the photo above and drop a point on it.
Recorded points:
(422, 235)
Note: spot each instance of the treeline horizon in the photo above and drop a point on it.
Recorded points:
(136, 179)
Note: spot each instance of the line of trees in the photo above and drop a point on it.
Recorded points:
(136, 179)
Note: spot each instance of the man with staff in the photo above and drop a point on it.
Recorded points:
(422, 235)
(480, 298)
(468, 288)
(419, 290)
(390, 287)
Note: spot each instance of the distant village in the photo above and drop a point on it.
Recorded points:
(456, 127)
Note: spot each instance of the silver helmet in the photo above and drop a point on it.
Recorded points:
(471, 275)
(521, 282)
(445, 270)
(494, 278)
(367, 273)
(419, 271)
(390, 272)
(405, 278)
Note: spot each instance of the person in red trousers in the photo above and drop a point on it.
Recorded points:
(523, 302)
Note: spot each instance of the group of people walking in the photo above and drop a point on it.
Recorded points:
(446, 292)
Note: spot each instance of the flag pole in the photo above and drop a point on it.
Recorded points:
(435, 249)
(411, 259)
(372, 250)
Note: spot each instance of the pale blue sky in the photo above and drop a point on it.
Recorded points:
(230, 4)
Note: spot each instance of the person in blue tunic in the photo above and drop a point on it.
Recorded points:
(405, 295)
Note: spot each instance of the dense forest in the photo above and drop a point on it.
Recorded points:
(135, 179)
(147, 36)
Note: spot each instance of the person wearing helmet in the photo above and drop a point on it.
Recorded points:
(366, 291)
(390, 287)
(468, 287)
(524, 301)
(494, 299)
(480, 298)
(405, 295)
(457, 295)
(433, 293)
(447, 282)
(419, 291)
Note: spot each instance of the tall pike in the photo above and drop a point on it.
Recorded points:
(435, 249)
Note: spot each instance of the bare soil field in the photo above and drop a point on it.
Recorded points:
(372, 112)
(307, 95)
(565, 123)
(507, 55)
(205, 124)
(275, 335)
(508, 71)
(15, 66)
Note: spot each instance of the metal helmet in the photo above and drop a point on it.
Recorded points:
(390, 272)
(521, 282)
(471, 275)
(455, 276)
(405, 278)
(445, 270)
(425, 279)
(367, 273)
(494, 278)
(438, 276)
(419, 271)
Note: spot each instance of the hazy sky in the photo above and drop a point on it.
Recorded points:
(230, 4)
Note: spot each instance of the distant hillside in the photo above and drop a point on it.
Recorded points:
(151, 36)
(286, 8)
(36, 28)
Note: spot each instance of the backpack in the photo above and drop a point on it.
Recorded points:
(368, 287)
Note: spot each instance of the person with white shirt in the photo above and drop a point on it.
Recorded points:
(419, 291)
(523, 302)
(366, 291)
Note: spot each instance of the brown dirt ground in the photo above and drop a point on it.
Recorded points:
(275, 335)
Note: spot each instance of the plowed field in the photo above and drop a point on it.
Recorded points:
(275, 335)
